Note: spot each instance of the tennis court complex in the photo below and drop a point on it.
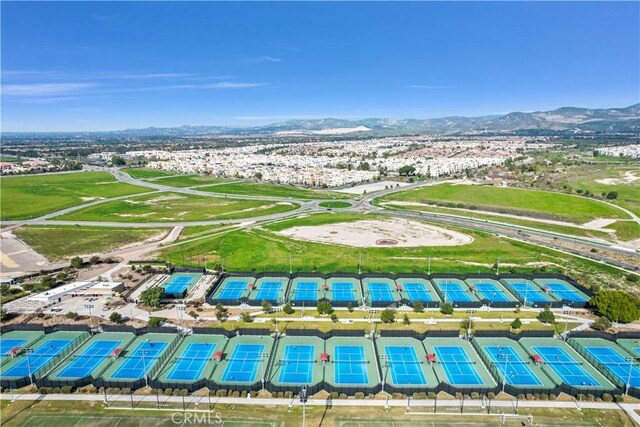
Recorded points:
(141, 358)
(454, 290)
(306, 290)
(490, 290)
(297, 361)
(527, 292)
(245, 360)
(232, 289)
(457, 363)
(631, 345)
(380, 291)
(93, 357)
(562, 290)
(44, 353)
(193, 360)
(512, 363)
(178, 285)
(417, 290)
(618, 362)
(351, 363)
(344, 290)
(404, 363)
(270, 289)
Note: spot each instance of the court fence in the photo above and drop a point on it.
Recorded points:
(604, 335)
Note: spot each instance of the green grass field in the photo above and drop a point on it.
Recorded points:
(264, 250)
(159, 207)
(63, 242)
(71, 414)
(273, 190)
(512, 200)
(626, 230)
(145, 173)
(27, 197)
(586, 178)
(336, 205)
(188, 180)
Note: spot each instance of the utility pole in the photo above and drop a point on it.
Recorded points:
(303, 400)
(89, 307)
(290, 264)
(429, 266)
(498, 266)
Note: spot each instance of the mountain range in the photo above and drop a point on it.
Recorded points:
(566, 119)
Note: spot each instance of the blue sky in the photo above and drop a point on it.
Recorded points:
(103, 66)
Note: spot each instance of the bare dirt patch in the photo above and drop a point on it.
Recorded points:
(379, 233)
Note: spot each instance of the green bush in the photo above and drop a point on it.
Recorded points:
(618, 398)
(520, 396)
(388, 316)
(288, 394)
(590, 397)
(475, 395)
(607, 397)
(66, 389)
(155, 321)
(324, 307)
(491, 395)
(547, 316)
(446, 309)
(221, 393)
(343, 396)
(359, 395)
(617, 305)
(552, 396)
(334, 395)
(418, 307)
(516, 324)
(544, 396)
(602, 324)
(287, 309)
(431, 395)
(235, 393)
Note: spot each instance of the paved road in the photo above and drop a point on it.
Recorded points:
(413, 406)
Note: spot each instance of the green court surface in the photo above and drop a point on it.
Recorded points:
(491, 290)
(380, 291)
(418, 289)
(77, 365)
(20, 339)
(342, 290)
(454, 290)
(344, 368)
(269, 288)
(244, 361)
(146, 420)
(404, 363)
(631, 345)
(456, 362)
(505, 357)
(570, 374)
(233, 288)
(48, 351)
(25, 197)
(297, 362)
(527, 291)
(147, 353)
(192, 361)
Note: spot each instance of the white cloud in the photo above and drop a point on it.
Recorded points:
(44, 89)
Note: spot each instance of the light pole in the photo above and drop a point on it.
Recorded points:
(385, 361)
(303, 400)
(144, 366)
(263, 357)
(89, 307)
(429, 266)
(498, 266)
(290, 264)
(180, 309)
(359, 263)
(628, 385)
(28, 351)
(506, 358)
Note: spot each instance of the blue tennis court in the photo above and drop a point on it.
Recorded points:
(566, 367)
(564, 292)
(140, 361)
(404, 365)
(343, 291)
(457, 366)
(233, 290)
(529, 292)
(269, 291)
(190, 364)
(454, 292)
(243, 363)
(491, 292)
(178, 284)
(350, 365)
(7, 345)
(379, 291)
(626, 371)
(306, 291)
(297, 366)
(513, 369)
(86, 362)
(37, 358)
(417, 291)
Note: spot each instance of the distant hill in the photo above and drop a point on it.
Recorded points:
(565, 119)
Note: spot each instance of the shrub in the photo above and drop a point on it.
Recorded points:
(334, 317)
(334, 395)
(324, 307)
(475, 395)
(544, 396)
(115, 317)
(343, 396)
(184, 392)
(287, 309)
(221, 393)
(446, 308)
(388, 316)
(72, 315)
(607, 397)
(458, 395)
(590, 397)
(516, 324)
(491, 395)
(418, 307)
(176, 392)
(617, 305)
(431, 395)
(350, 307)
(406, 320)
(288, 394)
(244, 393)
(235, 393)
(359, 395)
(602, 324)
(155, 321)
(246, 317)
(546, 316)
(520, 396)
(168, 391)
(618, 398)
(552, 396)
(43, 390)
(266, 306)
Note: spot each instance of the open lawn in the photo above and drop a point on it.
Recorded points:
(273, 190)
(336, 205)
(25, 197)
(598, 179)
(626, 230)
(71, 414)
(512, 200)
(145, 173)
(187, 180)
(159, 207)
(62, 242)
(263, 250)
